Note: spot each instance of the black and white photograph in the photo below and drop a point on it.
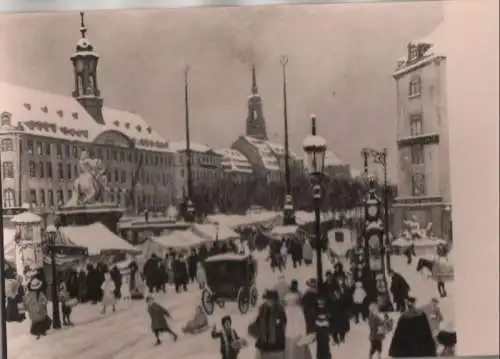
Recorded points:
(264, 182)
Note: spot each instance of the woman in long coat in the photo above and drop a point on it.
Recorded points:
(36, 305)
(159, 323)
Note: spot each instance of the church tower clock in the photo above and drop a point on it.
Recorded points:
(256, 124)
(85, 61)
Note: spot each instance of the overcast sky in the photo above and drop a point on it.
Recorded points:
(340, 62)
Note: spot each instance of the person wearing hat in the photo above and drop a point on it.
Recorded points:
(158, 315)
(309, 301)
(434, 315)
(269, 327)
(35, 303)
(413, 335)
(230, 342)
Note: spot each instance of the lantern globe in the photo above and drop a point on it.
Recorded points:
(314, 154)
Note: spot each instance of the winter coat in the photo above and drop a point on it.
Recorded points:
(307, 251)
(309, 300)
(158, 316)
(36, 306)
(270, 328)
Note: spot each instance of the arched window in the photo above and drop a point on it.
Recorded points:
(9, 198)
(415, 86)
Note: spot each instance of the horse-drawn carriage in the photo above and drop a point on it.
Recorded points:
(230, 278)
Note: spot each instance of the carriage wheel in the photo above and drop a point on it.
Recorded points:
(254, 296)
(207, 301)
(243, 300)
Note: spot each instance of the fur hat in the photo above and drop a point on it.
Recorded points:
(270, 295)
(226, 319)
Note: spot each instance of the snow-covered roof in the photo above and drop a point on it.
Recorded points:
(234, 161)
(279, 149)
(50, 115)
(269, 159)
(182, 145)
(331, 159)
(227, 257)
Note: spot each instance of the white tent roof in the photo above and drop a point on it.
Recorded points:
(284, 230)
(26, 217)
(211, 232)
(96, 238)
(180, 239)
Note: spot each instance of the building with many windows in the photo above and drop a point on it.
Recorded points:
(43, 136)
(235, 166)
(206, 167)
(423, 172)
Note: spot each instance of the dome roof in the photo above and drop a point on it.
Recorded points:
(84, 45)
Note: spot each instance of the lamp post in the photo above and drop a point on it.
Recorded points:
(51, 233)
(288, 209)
(3, 299)
(189, 210)
(315, 150)
(449, 223)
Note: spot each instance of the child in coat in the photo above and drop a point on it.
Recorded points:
(230, 342)
(159, 323)
(64, 298)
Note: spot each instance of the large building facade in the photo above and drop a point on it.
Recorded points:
(43, 137)
(235, 166)
(423, 170)
(206, 168)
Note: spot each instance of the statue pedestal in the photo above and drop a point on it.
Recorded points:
(107, 214)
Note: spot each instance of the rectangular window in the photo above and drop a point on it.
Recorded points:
(58, 150)
(416, 128)
(124, 176)
(417, 154)
(41, 167)
(42, 197)
(75, 151)
(7, 145)
(114, 155)
(60, 197)
(415, 87)
(33, 197)
(39, 148)
(418, 184)
(48, 167)
(30, 147)
(60, 171)
(69, 170)
(50, 195)
(47, 149)
(67, 150)
(100, 153)
(70, 194)
(8, 170)
(32, 169)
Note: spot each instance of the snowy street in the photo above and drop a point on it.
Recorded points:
(126, 333)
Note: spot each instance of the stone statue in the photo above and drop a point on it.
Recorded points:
(89, 186)
(414, 230)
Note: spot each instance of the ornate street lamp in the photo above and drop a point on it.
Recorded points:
(315, 151)
(288, 209)
(51, 233)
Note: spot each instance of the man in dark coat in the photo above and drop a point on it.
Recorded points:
(309, 302)
(399, 290)
(151, 272)
(270, 327)
(116, 276)
(412, 337)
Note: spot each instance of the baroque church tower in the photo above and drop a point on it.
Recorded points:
(85, 62)
(256, 123)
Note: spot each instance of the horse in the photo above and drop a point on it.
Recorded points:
(425, 263)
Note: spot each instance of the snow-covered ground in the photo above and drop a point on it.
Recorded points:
(126, 334)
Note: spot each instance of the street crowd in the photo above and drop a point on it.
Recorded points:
(285, 324)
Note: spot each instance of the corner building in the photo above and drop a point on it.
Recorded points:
(423, 162)
(42, 137)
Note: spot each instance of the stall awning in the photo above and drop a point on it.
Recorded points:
(284, 230)
(97, 238)
(180, 239)
(211, 232)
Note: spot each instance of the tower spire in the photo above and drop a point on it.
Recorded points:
(83, 28)
(254, 80)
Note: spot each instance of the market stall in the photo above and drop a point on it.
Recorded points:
(179, 240)
(215, 232)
